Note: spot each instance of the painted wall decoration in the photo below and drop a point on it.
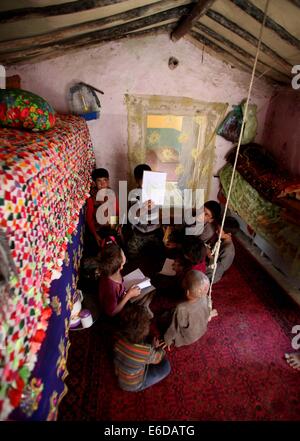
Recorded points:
(174, 135)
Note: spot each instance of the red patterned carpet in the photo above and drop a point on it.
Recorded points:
(235, 372)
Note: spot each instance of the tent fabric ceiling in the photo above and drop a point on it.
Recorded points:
(32, 31)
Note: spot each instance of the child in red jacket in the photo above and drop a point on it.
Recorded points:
(98, 232)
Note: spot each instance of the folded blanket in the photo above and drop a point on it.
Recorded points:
(261, 171)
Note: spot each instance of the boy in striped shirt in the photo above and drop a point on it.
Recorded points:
(138, 365)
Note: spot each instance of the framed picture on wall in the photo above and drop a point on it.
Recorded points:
(174, 135)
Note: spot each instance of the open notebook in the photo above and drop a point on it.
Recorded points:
(137, 278)
(167, 269)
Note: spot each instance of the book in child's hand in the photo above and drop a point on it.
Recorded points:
(137, 278)
(167, 269)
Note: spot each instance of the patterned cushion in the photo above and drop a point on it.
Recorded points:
(23, 109)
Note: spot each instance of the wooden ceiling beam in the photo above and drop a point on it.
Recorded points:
(100, 35)
(190, 19)
(89, 26)
(228, 57)
(258, 15)
(219, 50)
(233, 27)
(233, 47)
(53, 52)
(53, 10)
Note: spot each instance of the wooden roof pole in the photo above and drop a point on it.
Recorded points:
(183, 28)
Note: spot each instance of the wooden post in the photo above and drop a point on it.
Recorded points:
(199, 9)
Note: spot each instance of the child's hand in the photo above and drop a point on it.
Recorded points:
(134, 291)
(165, 346)
(157, 342)
(208, 252)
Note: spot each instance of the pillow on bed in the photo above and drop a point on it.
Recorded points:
(22, 109)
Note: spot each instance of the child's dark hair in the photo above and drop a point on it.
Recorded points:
(193, 247)
(231, 225)
(215, 208)
(139, 171)
(134, 323)
(183, 261)
(110, 259)
(100, 173)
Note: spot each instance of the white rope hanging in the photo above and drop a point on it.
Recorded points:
(217, 246)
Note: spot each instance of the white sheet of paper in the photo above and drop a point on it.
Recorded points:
(154, 187)
(144, 283)
(136, 277)
(167, 269)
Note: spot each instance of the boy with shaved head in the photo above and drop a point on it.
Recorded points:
(190, 318)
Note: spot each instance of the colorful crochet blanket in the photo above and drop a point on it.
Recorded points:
(44, 182)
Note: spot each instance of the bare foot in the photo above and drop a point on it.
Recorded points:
(293, 360)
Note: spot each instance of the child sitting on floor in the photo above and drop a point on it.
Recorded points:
(100, 177)
(210, 218)
(190, 318)
(227, 250)
(112, 294)
(169, 285)
(146, 236)
(181, 265)
(212, 215)
(138, 365)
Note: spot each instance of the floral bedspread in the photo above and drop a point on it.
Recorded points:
(44, 182)
(264, 217)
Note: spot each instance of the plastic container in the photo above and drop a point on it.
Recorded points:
(86, 318)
